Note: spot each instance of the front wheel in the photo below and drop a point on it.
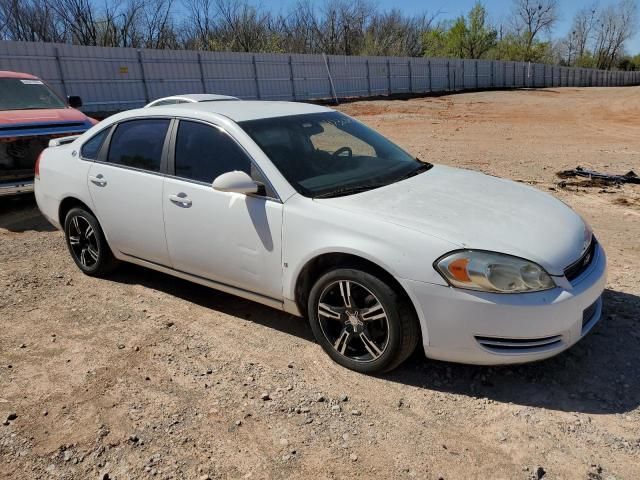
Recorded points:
(361, 322)
(87, 244)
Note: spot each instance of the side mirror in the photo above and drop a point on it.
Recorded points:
(235, 181)
(75, 101)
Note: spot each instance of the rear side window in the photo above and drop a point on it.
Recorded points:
(138, 143)
(204, 152)
(91, 147)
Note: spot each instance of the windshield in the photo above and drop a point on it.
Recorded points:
(330, 154)
(27, 94)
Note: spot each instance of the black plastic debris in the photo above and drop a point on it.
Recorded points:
(611, 178)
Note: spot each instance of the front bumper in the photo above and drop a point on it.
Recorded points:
(491, 329)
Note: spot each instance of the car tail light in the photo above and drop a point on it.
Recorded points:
(37, 169)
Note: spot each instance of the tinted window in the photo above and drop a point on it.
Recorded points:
(138, 143)
(323, 154)
(204, 152)
(91, 148)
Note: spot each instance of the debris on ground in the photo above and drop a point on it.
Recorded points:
(599, 177)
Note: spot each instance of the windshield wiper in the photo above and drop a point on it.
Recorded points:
(422, 168)
(340, 192)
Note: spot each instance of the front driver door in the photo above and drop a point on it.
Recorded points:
(229, 238)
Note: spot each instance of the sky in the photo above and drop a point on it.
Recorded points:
(498, 10)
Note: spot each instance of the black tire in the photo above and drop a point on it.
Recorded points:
(89, 251)
(368, 291)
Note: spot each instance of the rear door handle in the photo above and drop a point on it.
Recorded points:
(181, 200)
(98, 180)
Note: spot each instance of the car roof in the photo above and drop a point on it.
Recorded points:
(8, 74)
(250, 109)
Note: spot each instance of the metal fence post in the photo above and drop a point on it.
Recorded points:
(448, 77)
(255, 75)
(333, 88)
(492, 82)
(293, 83)
(476, 73)
(429, 73)
(204, 85)
(514, 74)
(410, 76)
(144, 77)
(388, 77)
(532, 73)
(368, 78)
(504, 74)
(61, 74)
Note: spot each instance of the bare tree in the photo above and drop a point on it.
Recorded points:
(297, 29)
(533, 17)
(615, 25)
(79, 17)
(156, 24)
(244, 27)
(200, 26)
(30, 20)
(582, 28)
(394, 34)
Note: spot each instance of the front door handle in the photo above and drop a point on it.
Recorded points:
(181, 200)
(98, 180)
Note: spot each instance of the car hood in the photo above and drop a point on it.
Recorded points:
(53, 115)
(477, 211)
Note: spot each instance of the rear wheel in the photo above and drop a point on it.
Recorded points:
(87, 244)
(361, 322)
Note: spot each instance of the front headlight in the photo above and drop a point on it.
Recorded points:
(493, 272)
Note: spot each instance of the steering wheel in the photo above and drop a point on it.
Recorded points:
(342, 150)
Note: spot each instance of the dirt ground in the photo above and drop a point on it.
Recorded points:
(146, 376)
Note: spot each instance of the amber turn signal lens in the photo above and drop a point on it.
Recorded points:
(458, 269)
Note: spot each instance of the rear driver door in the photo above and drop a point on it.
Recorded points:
(125, 183)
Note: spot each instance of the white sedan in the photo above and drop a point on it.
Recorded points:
(307, 210)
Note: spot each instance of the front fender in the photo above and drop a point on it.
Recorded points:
(311, 229)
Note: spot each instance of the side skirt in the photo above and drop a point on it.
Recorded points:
(256, 297)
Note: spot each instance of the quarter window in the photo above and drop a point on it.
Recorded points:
(91, 147)
(138, 143)
(204, 152)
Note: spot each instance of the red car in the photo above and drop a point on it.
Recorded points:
(31, 114)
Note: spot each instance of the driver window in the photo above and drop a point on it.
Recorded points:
(204, 152)
(332, 139)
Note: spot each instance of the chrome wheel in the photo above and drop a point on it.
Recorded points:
(353, 320)
(83, 241)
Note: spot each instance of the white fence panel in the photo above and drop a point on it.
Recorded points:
(112, 79)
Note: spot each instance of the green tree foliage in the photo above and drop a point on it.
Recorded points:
(465, 37)
(514, 47)
(628, 63)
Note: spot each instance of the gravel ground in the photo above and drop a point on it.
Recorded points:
(146, 376)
